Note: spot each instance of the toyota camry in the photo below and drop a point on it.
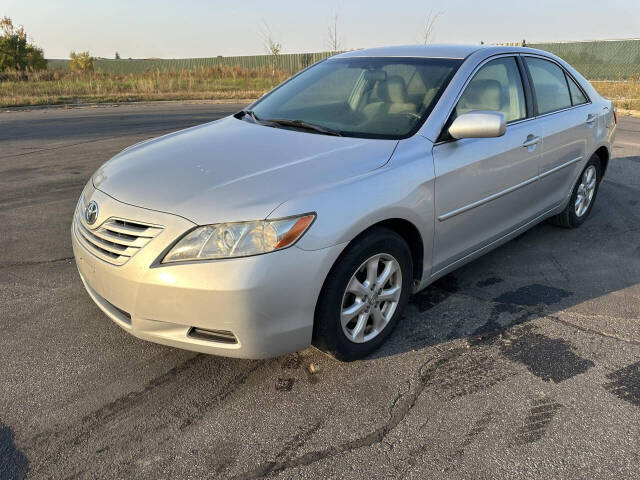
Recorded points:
(310, 216)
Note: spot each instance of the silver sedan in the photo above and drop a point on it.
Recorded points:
(312, 215)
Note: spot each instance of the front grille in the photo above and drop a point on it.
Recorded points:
(116, 240)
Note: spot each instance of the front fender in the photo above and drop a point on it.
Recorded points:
(403, 188)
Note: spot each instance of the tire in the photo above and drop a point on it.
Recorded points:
(569, 218)
(349, 343)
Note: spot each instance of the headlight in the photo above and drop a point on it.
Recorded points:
(229, 240)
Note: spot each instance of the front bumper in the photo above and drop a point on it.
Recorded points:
(267, 301)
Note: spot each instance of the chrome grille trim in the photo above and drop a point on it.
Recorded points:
(115, 240)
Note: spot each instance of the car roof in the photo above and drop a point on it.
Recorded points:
(434, 51)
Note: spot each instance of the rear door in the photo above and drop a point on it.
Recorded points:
(486, 187)
(567, 121)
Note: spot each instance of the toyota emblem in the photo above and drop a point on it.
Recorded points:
(91, 213)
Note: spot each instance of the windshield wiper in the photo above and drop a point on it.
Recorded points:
(251, 115)
(302, 124)
(284, 122)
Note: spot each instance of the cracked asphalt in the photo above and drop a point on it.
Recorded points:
(522, 364)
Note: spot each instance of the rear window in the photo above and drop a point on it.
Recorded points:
(577, 97)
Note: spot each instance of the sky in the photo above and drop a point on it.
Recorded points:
(198, 28)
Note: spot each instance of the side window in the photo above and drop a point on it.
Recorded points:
(497, 87)
(550, 85)
(577, 97)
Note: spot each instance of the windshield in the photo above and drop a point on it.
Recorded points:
(361, 96)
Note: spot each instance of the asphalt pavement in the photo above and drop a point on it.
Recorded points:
(522, 364)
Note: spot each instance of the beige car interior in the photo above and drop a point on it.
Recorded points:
(390, 100)
(504, 95)
(393, 99)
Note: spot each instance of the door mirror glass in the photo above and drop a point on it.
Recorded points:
(478, 124)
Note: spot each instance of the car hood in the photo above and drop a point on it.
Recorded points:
(233, 170)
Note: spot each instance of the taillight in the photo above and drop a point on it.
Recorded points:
(615, 117)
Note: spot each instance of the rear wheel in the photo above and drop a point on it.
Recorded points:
(364, 295)
(583, 196)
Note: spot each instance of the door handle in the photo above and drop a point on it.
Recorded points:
(531, 141)
(591, 118)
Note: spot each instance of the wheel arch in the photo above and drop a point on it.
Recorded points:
(401, 226)
(409, 233)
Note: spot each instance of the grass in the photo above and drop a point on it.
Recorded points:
(212, 83)
(66, 87)
(624, 94)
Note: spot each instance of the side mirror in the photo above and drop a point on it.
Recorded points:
(478, 124)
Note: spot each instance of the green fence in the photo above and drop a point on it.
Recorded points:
(292, 63)
(596, 60)
(599, 60)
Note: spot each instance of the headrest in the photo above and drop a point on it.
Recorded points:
(393, 90)
(483, 95)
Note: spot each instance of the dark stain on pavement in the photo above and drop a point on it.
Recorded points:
(492, 325)
(518, 303)
(285, 384)
(487, 282)
(551, 359)
(625, 384)
(13, 464)
(436, 293)
(532, 295)
(540, 416)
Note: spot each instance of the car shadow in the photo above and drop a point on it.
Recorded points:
(542, 272)
(13, 463)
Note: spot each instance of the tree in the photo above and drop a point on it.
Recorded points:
(34, 57)
(81, 62)
(335, 43)
(8, 29)
(272, 46)
(117, 56)
(15, 52)
(429, 24)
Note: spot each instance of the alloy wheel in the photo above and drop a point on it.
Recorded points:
(586, 189)
(371, 298)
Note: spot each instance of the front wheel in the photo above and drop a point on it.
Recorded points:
(583, 196)
(364, 295)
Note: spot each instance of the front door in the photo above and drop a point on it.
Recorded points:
(486, 187)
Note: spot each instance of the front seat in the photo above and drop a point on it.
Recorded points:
(481, 95)
(393, 93)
